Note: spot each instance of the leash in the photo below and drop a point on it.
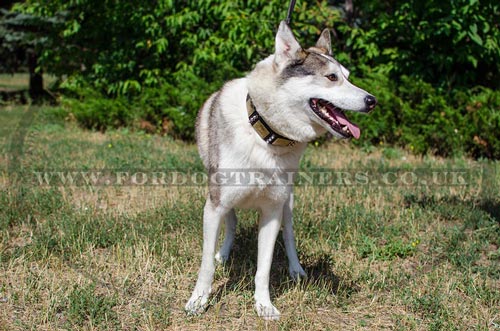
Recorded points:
(290, 11)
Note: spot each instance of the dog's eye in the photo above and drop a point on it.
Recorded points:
(332, 77)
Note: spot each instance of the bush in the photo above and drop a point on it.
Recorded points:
(450, 44)
(95, 111)
(168, 108)
(414, 115)
(160, 61)
(482, 123)
(176, 103)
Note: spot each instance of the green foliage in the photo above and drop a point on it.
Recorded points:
(161, 61)
(448, 43)
(432, 65)
(21, 32)
(148, 44)
(95, 111)
(178, 102)
(415, 115)
(482, 122)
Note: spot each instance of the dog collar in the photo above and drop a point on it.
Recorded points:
(263, 129)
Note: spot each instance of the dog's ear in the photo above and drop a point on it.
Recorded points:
(287, 47)
(325, 42)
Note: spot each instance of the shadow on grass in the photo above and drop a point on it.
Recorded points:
(444, 205)
(18, 96)
(492, 207)
(242, 266)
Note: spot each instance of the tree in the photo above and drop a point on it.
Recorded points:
(21, 37)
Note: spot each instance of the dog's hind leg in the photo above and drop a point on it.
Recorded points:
(294, 267)
(231, 221)
(212, 217)
(269, 228)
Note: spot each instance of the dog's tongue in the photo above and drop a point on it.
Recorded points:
(353, 128)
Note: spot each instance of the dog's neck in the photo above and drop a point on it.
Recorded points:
(263, 129)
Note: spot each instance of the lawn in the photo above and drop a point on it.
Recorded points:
(125, 256)
(20, 81)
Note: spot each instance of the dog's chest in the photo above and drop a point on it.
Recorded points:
(261, 177)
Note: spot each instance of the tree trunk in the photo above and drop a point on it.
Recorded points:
(349, 11)
(36, 79)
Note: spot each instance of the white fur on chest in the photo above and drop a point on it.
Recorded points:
(267, 178)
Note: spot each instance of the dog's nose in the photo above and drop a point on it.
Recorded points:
(370, 102)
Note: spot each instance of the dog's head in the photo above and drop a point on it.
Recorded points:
(312, 90)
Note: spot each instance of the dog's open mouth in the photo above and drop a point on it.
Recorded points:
(335, 117)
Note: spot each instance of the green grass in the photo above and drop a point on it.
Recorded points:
(126, 257)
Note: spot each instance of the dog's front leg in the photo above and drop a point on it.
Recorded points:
(212, 216)
(294, 267)
(231, 221)
(268, 231)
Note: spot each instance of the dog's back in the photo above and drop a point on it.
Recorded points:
(202, 128)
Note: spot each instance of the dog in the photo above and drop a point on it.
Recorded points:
(264, 121)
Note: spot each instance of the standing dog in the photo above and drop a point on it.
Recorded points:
(264, 121)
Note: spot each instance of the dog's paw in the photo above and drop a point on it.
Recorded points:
(197, 304)
(296, 272)
(221, 257)
(267, 311)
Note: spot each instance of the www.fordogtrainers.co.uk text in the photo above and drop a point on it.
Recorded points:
(256, 177)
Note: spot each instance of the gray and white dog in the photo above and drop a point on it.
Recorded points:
(264, 121)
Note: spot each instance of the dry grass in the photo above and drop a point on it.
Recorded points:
(126, 257)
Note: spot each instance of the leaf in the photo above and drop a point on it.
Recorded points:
(472, 60)
(475, 38)
(473, 28)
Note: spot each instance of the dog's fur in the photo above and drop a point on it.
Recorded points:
(281, 88)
